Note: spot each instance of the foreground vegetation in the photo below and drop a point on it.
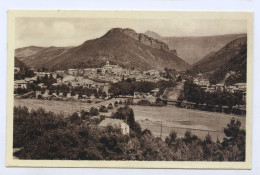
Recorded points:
(45, 135)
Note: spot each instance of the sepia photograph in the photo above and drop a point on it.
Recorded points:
(129, 89)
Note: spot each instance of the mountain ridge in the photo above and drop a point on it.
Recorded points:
(193, 48)
(123, 46)
(231, 58)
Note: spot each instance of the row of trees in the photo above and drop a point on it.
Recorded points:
(45, 135)
(80, 90)
(23, 73)
(128, 88)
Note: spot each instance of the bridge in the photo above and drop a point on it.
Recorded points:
(104, 103)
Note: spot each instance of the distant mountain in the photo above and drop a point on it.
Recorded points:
(153, 35)
(19, 63)
(44, 57)
(192, 49)
(123, 46)
(27, 51)
(228, 64)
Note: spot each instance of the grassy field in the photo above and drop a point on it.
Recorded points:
(171, 117)
(198, 122)
(66, 107)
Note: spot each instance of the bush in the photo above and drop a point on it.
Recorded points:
(84, 115)
(110, 106)
(103, 109)
(144, 103)
(93, 112)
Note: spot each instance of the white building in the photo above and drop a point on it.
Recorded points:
(69, 78)
(42, 74)
(21, 84)
(115, 123)
(42, 85)
(72, 71)
(240, 86)
(112, 68)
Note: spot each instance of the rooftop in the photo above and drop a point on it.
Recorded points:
(111, 122)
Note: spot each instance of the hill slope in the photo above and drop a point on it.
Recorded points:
(44, 56)
(27, 51)
(19, 63)
(192, 49)
(123, 46)
(231, 58)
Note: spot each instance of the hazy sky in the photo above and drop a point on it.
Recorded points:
(74, 31)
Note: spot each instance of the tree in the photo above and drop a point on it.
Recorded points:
(93, 112)
(179, 79)
(172, 138)
(234, 144)
(103, 109)
(104, 95)
(110, 106)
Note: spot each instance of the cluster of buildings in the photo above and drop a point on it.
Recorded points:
(150, 96)
(204, 83)
(91, 78)
(69, 80)
(115, 73)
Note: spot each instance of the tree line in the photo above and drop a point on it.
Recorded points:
(194, 93)
(23, 73)
(45, 135)
(128, 88)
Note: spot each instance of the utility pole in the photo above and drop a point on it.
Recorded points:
(161, 130)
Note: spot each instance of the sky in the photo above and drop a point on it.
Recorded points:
(60, 32)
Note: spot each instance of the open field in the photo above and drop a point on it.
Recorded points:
(171, 117)
(198, 122)
(66, 107)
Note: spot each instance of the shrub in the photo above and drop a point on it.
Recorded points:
(93, 112)
(110, 106)
(103, 109)
(144, 103)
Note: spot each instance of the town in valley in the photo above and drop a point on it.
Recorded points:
(132, 96)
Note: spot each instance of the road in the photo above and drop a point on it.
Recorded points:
(174, 92)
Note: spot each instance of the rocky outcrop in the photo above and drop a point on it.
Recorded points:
(174, 52)
(144, 39)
